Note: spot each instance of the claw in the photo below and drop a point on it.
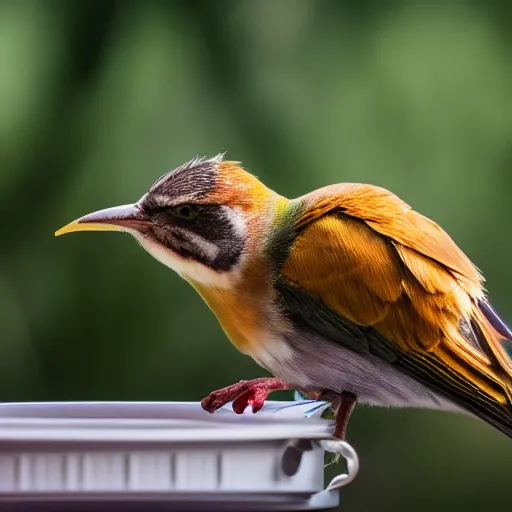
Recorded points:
(241, 402)
(244, 393)
(257, 405)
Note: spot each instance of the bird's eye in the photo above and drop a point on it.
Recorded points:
(185, 211)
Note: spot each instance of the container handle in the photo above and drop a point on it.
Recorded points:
(349, 454)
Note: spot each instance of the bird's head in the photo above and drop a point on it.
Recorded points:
(199, 219)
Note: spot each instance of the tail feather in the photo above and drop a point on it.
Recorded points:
(491, 331)
(497, 323)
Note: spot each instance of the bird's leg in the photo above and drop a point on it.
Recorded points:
(244, 393)
(343, 413)
(343, 405)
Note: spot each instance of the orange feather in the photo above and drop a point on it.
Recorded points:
(385, 266)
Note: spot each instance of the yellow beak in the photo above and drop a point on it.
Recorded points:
(119, 218)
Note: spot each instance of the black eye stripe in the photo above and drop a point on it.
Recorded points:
(179, 236)
(209, 221)
(212, 224)
(152, 208)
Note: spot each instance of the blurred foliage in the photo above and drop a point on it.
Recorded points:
(97, 99)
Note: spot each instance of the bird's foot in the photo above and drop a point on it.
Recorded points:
(244, 393)
(343, 405)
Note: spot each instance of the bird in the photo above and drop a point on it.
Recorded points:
(345, 294)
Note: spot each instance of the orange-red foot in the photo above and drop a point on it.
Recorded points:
(244, 393)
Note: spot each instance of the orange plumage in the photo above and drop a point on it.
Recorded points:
(373, 260)
(345, 292)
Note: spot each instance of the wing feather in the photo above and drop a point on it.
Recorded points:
(429, 273)
(370, 259)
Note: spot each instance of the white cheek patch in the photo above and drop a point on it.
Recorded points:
(237, 220)
(184, 267)
(209, 249)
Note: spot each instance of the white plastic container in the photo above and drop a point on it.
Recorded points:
(165, 456)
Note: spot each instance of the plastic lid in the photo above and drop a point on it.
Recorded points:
(152, 455)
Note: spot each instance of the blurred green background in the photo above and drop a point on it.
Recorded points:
(98, 99)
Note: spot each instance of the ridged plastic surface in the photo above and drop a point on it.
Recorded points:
(155, 455)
